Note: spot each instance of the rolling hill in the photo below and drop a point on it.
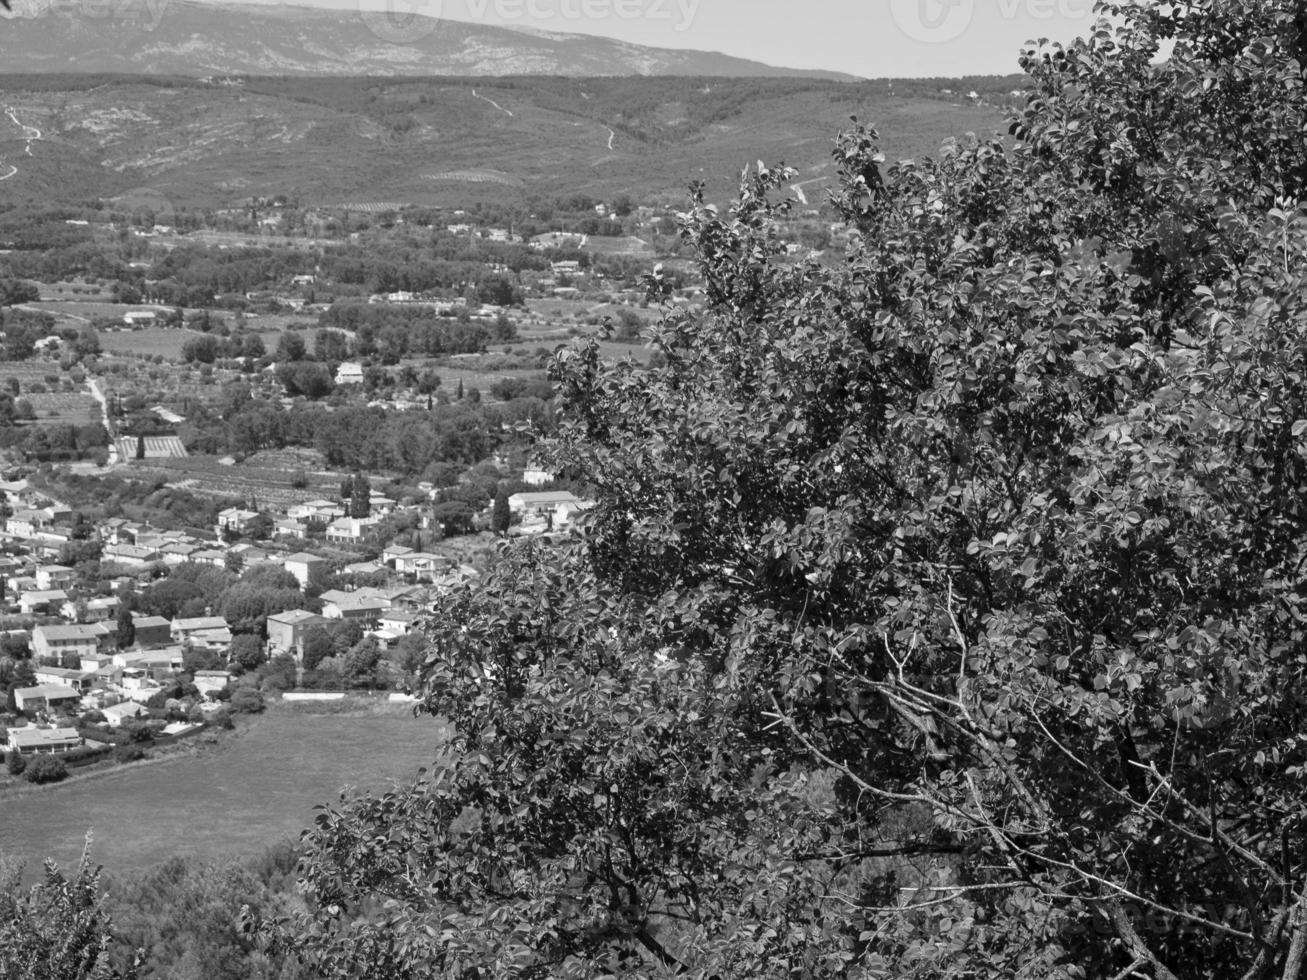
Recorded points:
(322, 141)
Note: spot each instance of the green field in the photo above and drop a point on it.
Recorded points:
(255, 789)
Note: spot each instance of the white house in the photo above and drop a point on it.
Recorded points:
(351, 530)
(235, 519)
(540, 504)
(349, 373)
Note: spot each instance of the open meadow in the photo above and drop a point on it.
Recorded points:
(256, 788)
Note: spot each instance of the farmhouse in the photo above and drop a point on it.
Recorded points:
(140, 318)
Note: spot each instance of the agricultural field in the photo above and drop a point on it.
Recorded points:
(81, 311)
(46, 373)
(156, 447)
(73, 291)
(65, 408)
(255, 789)
(166, 342)
(266, 477)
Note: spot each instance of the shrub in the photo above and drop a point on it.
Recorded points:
(128, 753)
(16, 763)
(246, 701)
(45, 769)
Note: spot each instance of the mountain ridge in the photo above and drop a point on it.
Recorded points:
(185, 37)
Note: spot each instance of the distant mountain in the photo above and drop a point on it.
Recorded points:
(181, 37)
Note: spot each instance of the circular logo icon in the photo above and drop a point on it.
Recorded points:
(144, 210)
(402, 21)
(933, 21)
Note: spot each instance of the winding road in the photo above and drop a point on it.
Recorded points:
(30, 133)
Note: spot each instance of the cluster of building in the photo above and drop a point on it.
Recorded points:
(75, 640)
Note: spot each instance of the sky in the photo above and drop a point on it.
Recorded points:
(870, 38)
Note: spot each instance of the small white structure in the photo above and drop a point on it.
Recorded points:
(349, 373)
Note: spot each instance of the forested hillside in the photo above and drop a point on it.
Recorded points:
(942, 613)
(186, 143)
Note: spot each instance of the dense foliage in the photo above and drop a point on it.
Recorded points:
(940, 616)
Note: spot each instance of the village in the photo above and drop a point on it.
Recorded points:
(98, 668)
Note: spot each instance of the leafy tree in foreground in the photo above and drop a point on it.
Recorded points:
(941, 614)
(58, 929)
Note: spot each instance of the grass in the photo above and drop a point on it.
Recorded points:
(235, 799)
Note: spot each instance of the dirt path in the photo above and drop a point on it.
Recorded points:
(492, 102)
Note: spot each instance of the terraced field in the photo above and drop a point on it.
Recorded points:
(156, 447)
(268, 482)
(65, 408)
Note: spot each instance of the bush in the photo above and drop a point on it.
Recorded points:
(45, 769)
(128, 753)
(246, 701)
(16, 763)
